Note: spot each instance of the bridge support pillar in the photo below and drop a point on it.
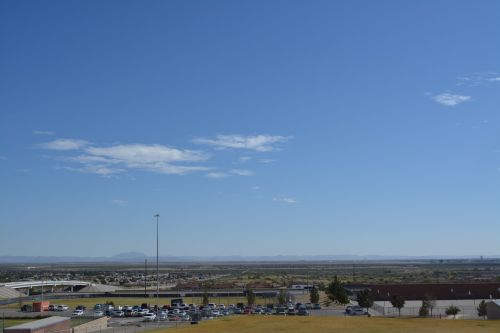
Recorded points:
(71, 288)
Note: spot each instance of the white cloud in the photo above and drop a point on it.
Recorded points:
(119, 202)
(217, 175)
(43, 132)
(141, 153)
(64, 144)
(478, 78)
(267, 161)
(256, 188)
(106, 161)
(244, 159)
(261, 143)
(449, 99)
(286, 200)
(241, 172)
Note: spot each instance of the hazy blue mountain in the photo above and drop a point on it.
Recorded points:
(137, 257)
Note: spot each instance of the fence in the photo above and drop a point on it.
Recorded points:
(466, 311)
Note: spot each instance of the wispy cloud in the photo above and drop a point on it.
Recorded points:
(448, 99)
(260, 143)
(243, 159)
(287, 200)
(478, 78)
(43, 133)
(119, 202)
(64, 144)
(256, 188)
(217, 175)
(241, 172)
(267, 160)
(110, 160)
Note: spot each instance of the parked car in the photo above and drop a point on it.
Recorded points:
(62, 308)
(98, 313)
(26, 308)
(258, 311)
(150, 316)
(309, 306)
(247, 311)
(163, 315)
(316, 306)
(303, 311)
(142, 312)
(81, 307)
(77, 313)
(280, 311)
(215, 313)
(118, 313)
(52, 307)
(291, 311)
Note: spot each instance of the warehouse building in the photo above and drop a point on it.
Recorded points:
(46, 325)
(493, 310)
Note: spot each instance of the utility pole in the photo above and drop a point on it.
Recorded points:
(157, 274)
(145, 276)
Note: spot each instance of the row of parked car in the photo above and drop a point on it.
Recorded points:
(186, 312)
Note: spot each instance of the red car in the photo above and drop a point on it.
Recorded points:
(248, 311)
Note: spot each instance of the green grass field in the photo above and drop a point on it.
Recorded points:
(252, 324)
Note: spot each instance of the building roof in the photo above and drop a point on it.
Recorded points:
(33, 325)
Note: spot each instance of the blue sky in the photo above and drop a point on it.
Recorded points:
(251, 127)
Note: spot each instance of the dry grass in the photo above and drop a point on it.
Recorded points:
(247, 324)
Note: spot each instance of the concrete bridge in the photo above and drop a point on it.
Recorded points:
(27, 285)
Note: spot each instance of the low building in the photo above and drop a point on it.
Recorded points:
(46, 325)
(493, 309)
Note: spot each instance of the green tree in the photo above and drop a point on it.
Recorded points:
(452, 310)
(205, 300)
(336, 292)
(314, 295)
(423, 311)
(429, 302)
(282, 297)
(365, 299)
(250, 297)
(482, 309)
(398, 302)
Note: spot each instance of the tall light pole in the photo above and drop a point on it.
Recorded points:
(157, 274)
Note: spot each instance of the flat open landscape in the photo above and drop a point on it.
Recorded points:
(331, 324)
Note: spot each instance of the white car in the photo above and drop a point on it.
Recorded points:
(118, 313)
(77, 313)
(163, 315)
(98, 313)
(215, 313)
(149, 316)
(142, 312)
(62, 308)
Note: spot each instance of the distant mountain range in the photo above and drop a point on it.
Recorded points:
(137, 257)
